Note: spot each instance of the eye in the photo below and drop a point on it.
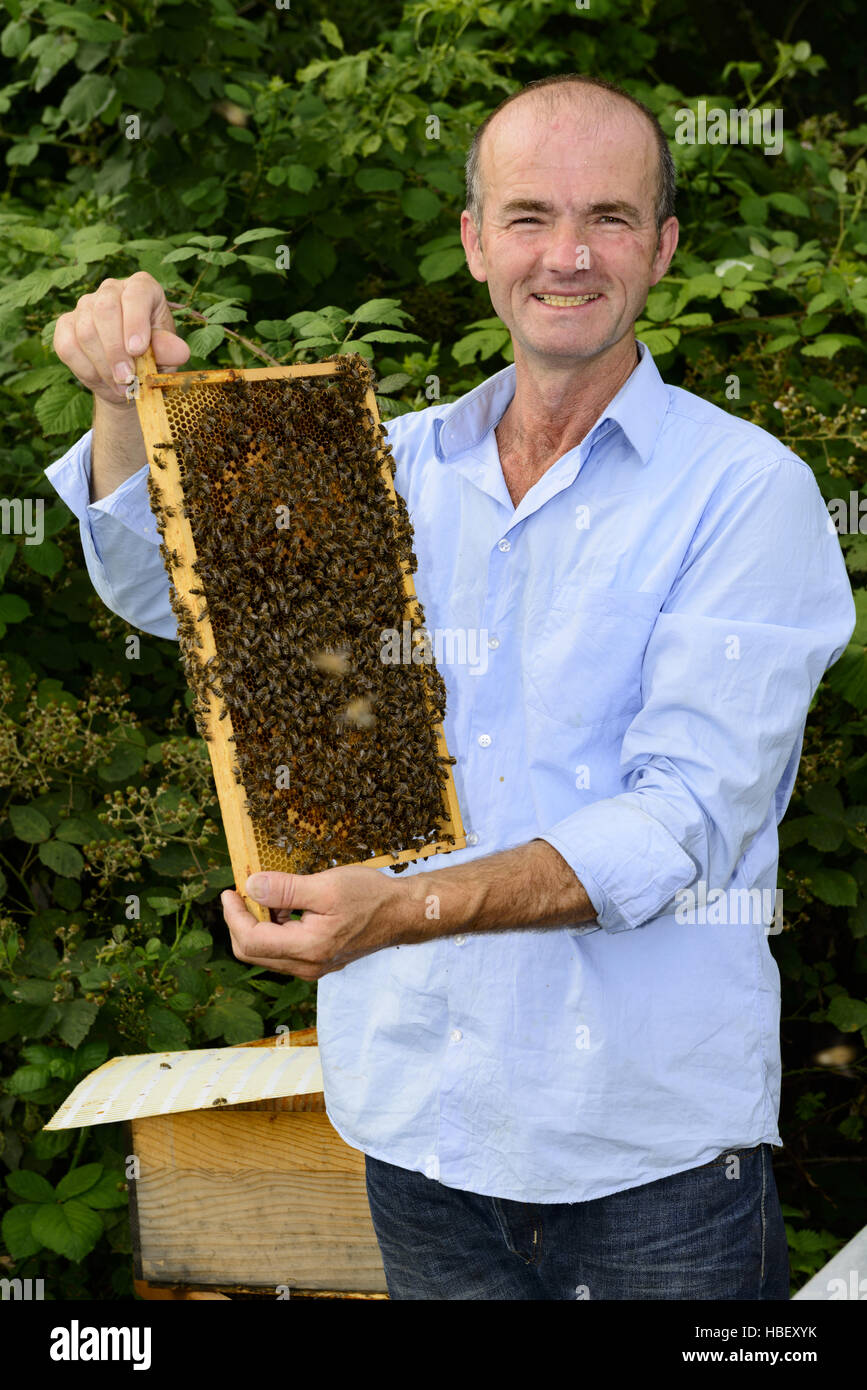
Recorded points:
(609, 217)
(518, 220)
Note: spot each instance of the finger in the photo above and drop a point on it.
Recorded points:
(107, 315)
(291, 892)
(284, 965)
(147, 319)
(274, 939)
(73, 355)
(170, 351)
(90, 344)
(299, 969)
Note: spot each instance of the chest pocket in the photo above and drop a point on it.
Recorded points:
(583, 653)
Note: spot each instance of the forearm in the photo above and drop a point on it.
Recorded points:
(117, 449)
(530, 886)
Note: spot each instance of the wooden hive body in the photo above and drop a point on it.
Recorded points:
(265, 1200)
(233, 498)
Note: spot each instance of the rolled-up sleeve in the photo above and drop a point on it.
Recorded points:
(760, 607)
(120, 542)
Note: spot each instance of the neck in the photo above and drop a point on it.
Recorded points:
(552, 410)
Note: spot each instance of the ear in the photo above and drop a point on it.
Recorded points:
(664, 254)
(472, 247)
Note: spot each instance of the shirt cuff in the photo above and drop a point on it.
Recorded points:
(129, 504)
(629, 865)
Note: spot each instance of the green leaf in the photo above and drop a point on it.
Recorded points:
(72, 1229)
(142, 88)
(300, 178)
(331, 33)
(834, 886)
(829, 344)
(166, 1032)
(785, 340)
(86, 26)
(33, 1187)
(826, 835)
(15, 38)
(234, 1021)
(25, 1080)
(86, 99)
(34, 239)
(315, 257)
(45, 559)
(64, 410)
(481, 344)
(847, 1014)
(79, 1180)
(89, 1056)
(787, 202)
(848, 676)
(23, 153)
(204, 340)
(29, 825)
(18, 1234)
(389, 335)
(194, 942)
(824, 799)
(13, 609)
(105, 1194)
(75, 830)
(376, 180)
(420, 204)
(753, 211)
(660, 340)
(76, 1020)
(64, 859)
(392, 383)
(441, 264)
(163, 906)
(380, 311)
(258, 234)
(126, 759)
(821, 301)
(181, 253)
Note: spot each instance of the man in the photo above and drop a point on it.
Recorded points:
(563, 1086)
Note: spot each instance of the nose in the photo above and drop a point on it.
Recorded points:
(565, 251)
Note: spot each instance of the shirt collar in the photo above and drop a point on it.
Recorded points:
(638, 408)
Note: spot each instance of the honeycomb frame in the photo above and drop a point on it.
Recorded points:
(174, 408)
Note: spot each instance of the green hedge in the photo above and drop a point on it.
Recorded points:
(295, 184)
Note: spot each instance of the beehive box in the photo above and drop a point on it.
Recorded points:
(290, 560)
(259, 1194)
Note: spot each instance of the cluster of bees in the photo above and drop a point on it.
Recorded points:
(300, 554)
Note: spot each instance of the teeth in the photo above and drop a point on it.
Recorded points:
(566, 299)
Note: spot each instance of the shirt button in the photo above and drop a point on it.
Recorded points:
(493, 642)
(459, 940)
(456, 1035)
(472, 838)
(504, 545)
(484, 740)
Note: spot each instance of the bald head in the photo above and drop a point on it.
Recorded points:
(594, 109)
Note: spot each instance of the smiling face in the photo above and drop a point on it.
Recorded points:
(576, 171)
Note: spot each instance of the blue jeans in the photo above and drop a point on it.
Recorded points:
(702, 1234)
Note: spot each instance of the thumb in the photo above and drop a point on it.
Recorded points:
(291, 891)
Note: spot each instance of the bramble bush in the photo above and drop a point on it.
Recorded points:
(295, 185)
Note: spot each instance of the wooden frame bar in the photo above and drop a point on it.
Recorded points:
(148, 389)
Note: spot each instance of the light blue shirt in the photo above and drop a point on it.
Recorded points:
(644, 636)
